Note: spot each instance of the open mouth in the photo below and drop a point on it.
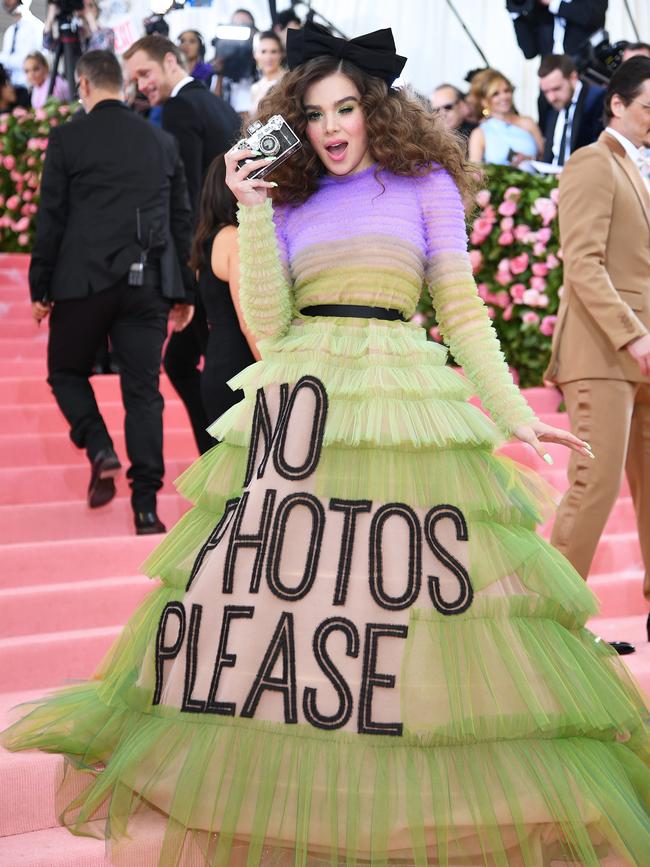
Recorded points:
(337, 150)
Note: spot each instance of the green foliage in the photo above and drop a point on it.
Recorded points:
(23, 141)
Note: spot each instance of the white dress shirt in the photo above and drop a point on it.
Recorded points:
(562, 118)
(637, 155)
(20, 39)
(559, 26)
(181, 84)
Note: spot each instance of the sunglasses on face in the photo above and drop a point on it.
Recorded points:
(448, 106)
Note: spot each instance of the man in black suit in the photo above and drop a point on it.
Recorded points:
(557, 26)
(114, 203)
(205, 126)
(575, 118)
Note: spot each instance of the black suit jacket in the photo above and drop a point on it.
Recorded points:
(204, 126)
(99, 171)
(535, 31)
(587, 120)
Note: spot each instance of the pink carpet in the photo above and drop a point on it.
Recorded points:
(70, 575)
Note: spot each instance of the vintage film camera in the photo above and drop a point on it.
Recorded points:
(273, 139)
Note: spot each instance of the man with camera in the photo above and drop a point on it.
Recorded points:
(112, 242)
(601, 344)
(204, 126)
(555, 26)
(576, 108)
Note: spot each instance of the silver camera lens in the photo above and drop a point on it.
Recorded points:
(269, 145)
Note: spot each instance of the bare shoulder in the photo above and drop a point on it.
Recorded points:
(225, 239)
(528, 123)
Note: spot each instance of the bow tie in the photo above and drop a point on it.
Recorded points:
(374, 53)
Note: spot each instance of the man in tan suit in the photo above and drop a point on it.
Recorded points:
(601, 346)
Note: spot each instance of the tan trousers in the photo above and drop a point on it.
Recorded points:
(614, 417)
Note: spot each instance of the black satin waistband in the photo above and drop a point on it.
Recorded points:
(353, 311)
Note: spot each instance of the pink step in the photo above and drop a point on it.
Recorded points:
(57, 847)
(73, 520)
(34, 389)
(65, 482)
(52, 659)
(18, 262)
(34, 348)
(19, 329)
(63, 607)
(38, 449)
(620, 593)
(47, 417)
(30, 367)
(31, 563)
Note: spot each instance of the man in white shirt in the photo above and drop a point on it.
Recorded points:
(20, 39)
(575, 118)
(601, 344)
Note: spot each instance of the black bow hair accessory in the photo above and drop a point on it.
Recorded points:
(373, 53)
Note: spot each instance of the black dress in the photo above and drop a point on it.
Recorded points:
(227, 352)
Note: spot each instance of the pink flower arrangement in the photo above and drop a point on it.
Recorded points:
(476, 260)
(530, 318)
(505, 239)
(483, 198)
(519, 264)
(546, 209)
(508, 208)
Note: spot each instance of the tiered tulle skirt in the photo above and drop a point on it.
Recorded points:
(359, 651)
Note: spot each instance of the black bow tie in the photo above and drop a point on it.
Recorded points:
(374, 53)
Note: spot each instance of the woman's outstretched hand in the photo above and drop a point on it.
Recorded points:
(247, 191)
(538, 433)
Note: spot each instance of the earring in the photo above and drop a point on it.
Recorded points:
(486, 112)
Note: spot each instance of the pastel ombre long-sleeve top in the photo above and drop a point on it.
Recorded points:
(367, 240)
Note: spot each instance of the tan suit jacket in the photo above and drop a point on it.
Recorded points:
(604, 211)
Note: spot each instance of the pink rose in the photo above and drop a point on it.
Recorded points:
(39, 114)
(555, 195)
(507, 313)
(491, 312)
(544, 235)
(501, 299)
(63, 110)
(490, 214)
(9, 162)
(418, 319)
(25, 211)
(476, 259)
(540, 269)
(503, 278)
(505, 239)
(522, 231)
(512, 193)
(13, 203)
(483, 198)
(507, 224)
(546, 209)
(483, 290)
(23, 240)
(538, 283)
(560, 292)
(483, 226)
(33, 209)
(434, 332)
(543, 300)
(5, 221)
(552, 261)
(539, 249)
(530, 318)
(518, 264)
(504, 264)
(517, 291)
(31, 161)
(548, 325)
(531, 297)
(20, 112)
(27, 196)
(508, 208)
(21, 224)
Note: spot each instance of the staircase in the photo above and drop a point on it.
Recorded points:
(70, 575)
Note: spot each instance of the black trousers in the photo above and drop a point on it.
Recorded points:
(182, 359)
(135, 319)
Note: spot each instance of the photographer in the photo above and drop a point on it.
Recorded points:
(84, 16)
(555, 26)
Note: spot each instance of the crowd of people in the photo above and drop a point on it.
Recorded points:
(360, 650)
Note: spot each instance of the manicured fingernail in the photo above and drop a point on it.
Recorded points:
(273, 183)
(548, 458)
(592, 455)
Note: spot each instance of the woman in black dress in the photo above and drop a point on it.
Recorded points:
(215, 257)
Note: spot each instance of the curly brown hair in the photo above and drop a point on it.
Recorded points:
(404, 136)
